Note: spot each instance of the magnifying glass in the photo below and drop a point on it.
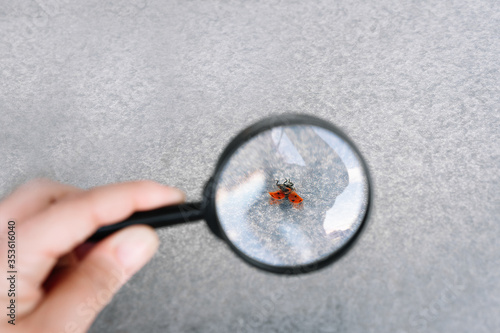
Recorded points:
(290, 194)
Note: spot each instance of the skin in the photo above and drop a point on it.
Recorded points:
(62, 282)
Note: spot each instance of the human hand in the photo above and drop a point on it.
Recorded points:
(62, 284)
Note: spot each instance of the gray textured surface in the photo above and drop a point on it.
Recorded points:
(93, 92)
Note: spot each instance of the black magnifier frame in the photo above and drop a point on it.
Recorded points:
(206, 209)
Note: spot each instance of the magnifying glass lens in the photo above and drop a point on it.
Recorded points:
(292, 195)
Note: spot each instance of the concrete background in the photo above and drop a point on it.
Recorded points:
(95, 92)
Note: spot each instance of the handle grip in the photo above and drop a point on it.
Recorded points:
(156, 218)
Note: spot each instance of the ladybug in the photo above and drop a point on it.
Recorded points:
(286, 188)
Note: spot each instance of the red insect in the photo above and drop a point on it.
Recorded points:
(286, 188)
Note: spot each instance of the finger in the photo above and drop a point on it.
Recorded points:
(70, 222)
(74, 302)
(26, 201)
(66, 263)
(33, 197)
(66, 224)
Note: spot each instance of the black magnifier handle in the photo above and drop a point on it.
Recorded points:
(156, 218)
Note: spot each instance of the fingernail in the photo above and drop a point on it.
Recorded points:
(135, 246)
(177, 195)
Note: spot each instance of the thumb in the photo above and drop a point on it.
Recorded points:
(73, 304)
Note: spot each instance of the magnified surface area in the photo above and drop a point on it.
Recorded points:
(326, 173)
